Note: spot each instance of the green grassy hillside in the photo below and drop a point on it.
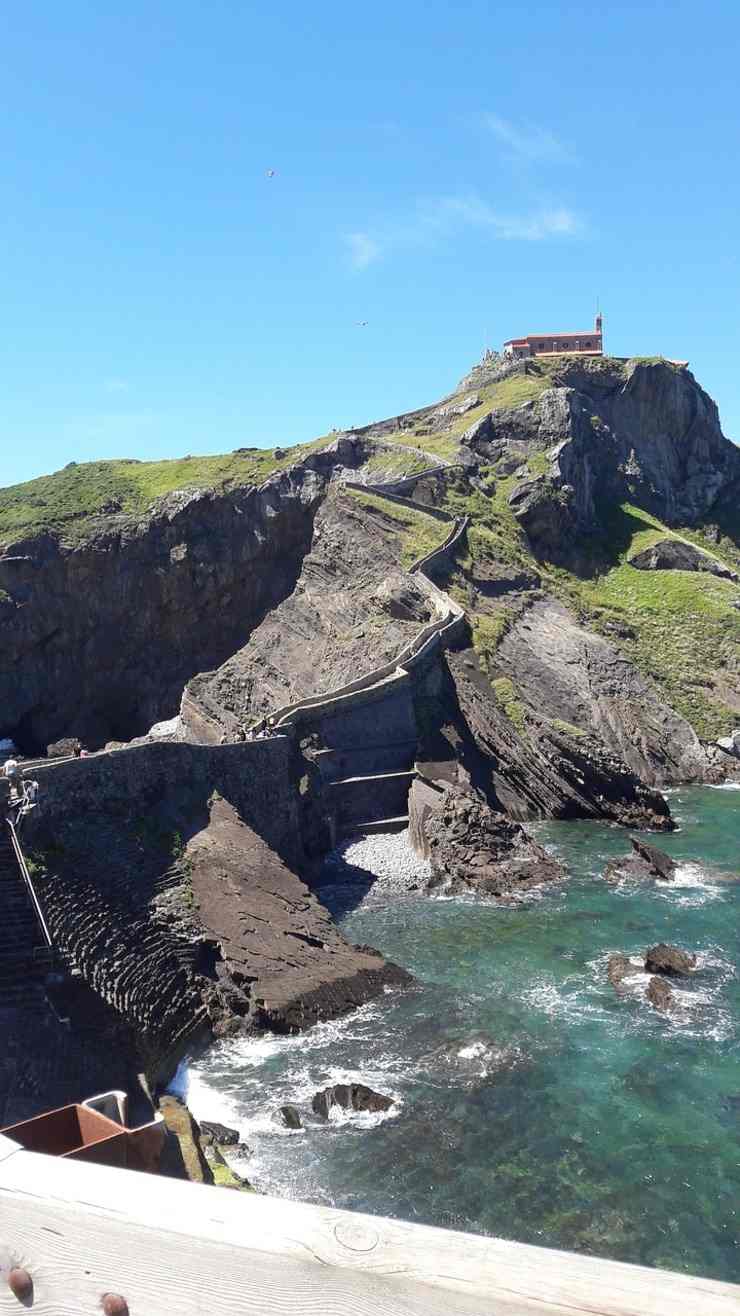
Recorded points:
(680, 628)
(67, 500)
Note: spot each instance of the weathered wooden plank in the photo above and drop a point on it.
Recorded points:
(166, 1245)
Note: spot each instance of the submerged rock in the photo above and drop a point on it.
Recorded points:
(660, 995)
(618, 968)
(469, 1058)
(290, 1117)
(669, 960)
(645, 861)
(349, 1096)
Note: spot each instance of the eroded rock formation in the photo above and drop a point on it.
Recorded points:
(471, 848)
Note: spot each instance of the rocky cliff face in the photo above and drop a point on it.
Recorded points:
(352, 609)
(100, 635)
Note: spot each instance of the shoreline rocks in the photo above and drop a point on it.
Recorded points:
(473, 848)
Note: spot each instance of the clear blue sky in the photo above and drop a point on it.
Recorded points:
(449, 173)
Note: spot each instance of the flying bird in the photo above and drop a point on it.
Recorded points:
(360, 323)
(270, 173)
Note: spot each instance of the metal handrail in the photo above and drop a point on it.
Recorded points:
(29, 884)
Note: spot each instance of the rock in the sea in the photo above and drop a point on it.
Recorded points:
(349, 1096)
(618, 968)
(677, 555)
(659, 994)
(220, 1133)
(290, 1117)
(669, 960)
(645, 861)
(473, 848)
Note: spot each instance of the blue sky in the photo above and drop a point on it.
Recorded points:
(451, 174)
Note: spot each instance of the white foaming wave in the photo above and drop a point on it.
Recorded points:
(576, 1005)
(470, 1052)
(726, 786)
(225, 1084)
(704, 887)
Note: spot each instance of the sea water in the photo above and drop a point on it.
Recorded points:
(531, 1101)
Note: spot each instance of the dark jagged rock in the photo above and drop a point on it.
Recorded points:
(660, 995)
(669, 960)
(678, 555)
(646, 861)
(349, 1096)
(290, 1117)
(472, 848)
(219, 1133)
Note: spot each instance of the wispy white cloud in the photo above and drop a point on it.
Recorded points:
(528, 143)
(363, 249)
(445, 218)
(528, 226)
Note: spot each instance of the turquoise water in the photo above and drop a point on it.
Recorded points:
(533, 1102)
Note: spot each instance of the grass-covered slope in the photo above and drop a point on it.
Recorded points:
(67, 500)
(417, 533)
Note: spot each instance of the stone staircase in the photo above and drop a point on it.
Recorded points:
(25, 958)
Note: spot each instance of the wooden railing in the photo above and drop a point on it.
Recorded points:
(83, 1232)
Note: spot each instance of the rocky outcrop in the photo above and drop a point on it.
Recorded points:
(572, 675)
(669, 960)
(349, 1096)
(643, 432)
(471, 848)
(679, 555)
(284, 963)
(646, 861)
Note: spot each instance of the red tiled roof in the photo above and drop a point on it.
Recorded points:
(585, 333)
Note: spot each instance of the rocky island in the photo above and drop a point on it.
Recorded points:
(519, 603)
